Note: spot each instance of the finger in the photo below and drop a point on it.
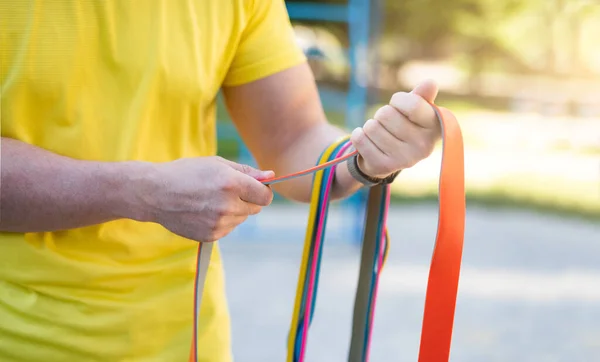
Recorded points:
(226, 225)
(235, 206)
(230, 223)
(254, 192)
(379, 165)
(251, 209)
(250, 171)
(415, 109)
(381, 137)
(396, 123)
(427, 90)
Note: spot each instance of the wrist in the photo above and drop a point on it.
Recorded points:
(356, 168)
(130, 184)
(360, 164)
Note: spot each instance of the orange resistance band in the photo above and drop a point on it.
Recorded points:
(444, 273)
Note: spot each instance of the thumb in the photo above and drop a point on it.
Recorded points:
(427, 90)
(251, 171)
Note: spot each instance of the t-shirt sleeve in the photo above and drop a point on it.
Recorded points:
(267, 44)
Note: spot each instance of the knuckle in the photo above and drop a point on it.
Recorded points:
(246, 169)
(398, 99)
(227, 184)
(358, 139)
(371, 126)
(386, 113)
(224, 209)
(221, 213)
(406, 103)
(368, 127)
(219, 229)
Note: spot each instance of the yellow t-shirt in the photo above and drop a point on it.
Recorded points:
(120, 80)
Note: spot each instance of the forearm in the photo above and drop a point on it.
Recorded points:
(281, 120)
(42, 191)
(304, 153)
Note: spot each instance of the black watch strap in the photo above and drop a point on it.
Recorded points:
(365, 179)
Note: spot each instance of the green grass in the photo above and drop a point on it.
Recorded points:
(499, 198)
(229, 149)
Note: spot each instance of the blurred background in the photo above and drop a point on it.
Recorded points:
(523, 79)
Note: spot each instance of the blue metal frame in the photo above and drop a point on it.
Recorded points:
(357, 14)
(359, 26)
(318, 11)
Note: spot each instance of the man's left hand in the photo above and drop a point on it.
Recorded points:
(400, 134)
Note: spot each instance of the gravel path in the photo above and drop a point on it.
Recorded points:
(529, 291)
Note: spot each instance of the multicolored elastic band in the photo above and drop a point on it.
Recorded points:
(308, 279)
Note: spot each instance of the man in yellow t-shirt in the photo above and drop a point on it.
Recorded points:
(109, 175)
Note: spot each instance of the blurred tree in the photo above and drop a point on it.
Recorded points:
(501, 36)
(470, 29)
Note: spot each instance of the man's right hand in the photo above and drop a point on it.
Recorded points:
(202, 199)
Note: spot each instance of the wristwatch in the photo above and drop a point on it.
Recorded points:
(365, 179)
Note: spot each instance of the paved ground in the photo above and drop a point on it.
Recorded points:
(530, 288)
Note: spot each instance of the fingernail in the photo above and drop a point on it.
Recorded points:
(266, 174)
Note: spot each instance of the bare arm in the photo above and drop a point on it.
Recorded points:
(202, 198)
(43, 191)
(281, 120)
